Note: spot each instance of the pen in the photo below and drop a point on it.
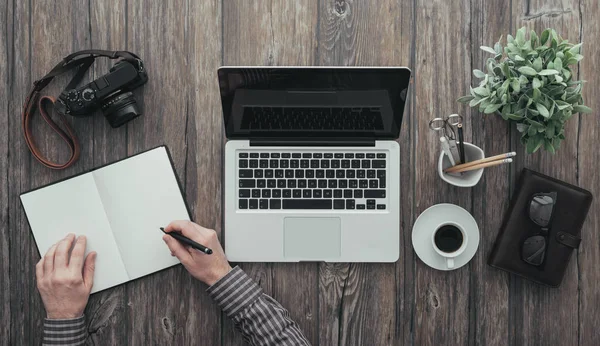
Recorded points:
(461, 146)
(188, 241)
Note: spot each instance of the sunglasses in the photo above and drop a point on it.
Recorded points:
(540, 212)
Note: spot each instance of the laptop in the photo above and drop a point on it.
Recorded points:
(312, 166)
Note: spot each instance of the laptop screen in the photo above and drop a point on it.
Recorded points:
(313, 102)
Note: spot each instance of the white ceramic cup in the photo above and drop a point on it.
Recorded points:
(449, 256)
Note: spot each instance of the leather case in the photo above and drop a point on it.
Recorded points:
(570, 211)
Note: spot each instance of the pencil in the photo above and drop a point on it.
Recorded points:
(461, 145)
(482, 165)
(484, 160)
(188, 241)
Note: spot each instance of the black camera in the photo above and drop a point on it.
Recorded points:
(111, 92)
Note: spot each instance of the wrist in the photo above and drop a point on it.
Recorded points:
(217, 275)
(63, 315)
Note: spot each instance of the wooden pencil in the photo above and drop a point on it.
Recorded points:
(476, 162)
(482, 165)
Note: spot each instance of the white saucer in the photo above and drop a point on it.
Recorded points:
(425, 226)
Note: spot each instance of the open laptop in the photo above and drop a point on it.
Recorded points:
(312, 168)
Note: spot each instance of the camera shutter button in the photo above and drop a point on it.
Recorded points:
(88, 94)
(72, 95)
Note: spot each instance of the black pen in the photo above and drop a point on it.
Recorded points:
(188, 241)
(461, 145)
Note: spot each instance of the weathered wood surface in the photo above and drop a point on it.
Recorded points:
(182, 43)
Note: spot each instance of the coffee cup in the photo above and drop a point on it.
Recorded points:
(449, 240)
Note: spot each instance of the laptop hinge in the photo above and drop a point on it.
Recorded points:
(311, 143)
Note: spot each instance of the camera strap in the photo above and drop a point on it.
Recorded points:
(81, 60)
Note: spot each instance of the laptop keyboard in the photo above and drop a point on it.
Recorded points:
(312, 180)
(312, 118)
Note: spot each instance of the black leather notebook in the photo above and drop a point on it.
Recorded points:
(562, 234)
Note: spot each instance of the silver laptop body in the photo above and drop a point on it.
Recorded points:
(312, 166)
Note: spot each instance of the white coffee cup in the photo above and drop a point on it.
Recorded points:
(449, 256)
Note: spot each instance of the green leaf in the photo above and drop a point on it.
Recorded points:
(543, 110)
(548, 72)
(537, 64)
(536, 94)
(465, 99)
(536, 83)
(545, 36)
(534, 143)
(515, 85)
(532, 130)
(521, 127)
(505, 70)
(474, 102)
(481, 91)
(492, 108)
(550, 130)
(518, 58)
(478, 73)
(521, 36)
(535, 123)
(526, 70)
(581, 109)
(488, 49)
(515, 117)
(558, 78)
(575, 48)
(533, 38)
(558, 63)
(562, 104)
(509, 38)
(498, 47)
(549, 147)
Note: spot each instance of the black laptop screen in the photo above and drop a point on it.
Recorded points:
(310, 102)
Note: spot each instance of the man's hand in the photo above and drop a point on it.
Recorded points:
(65, 281)
(206, 268)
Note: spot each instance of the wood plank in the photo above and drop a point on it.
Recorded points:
(275, 33)
(107, 310)
(203, 163)
(529, 301)
(23, 328)
(443, 74)
(488, 315)
(588, 259)
(351, 293)
(26, 304)
(156, 31)
(6, 287)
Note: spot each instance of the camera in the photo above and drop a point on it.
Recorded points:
(111, 92)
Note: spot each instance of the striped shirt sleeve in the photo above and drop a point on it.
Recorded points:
(260, 318)
(68, 332)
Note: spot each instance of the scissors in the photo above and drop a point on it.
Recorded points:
(446, 125)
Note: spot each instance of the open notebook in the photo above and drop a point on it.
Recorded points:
(120, 208)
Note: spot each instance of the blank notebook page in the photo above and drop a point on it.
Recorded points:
(140, 195)
(120, 208)
(74, 206)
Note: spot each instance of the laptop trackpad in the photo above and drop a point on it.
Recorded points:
(312, 238)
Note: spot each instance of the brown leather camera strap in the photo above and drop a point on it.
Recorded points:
(81, 60)
(67, 134)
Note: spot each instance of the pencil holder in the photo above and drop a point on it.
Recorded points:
(466, 179)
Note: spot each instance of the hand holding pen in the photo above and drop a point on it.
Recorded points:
(208, 269)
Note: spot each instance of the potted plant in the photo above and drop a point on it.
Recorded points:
(530, 82)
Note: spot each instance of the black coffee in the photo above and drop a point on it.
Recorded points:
(448, 238)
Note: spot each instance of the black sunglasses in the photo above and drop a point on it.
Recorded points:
(540, 212)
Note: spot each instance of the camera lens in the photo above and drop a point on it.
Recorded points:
(120, 108)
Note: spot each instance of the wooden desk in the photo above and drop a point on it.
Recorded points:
(183, 43)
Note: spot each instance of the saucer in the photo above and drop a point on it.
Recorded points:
(425, 226)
